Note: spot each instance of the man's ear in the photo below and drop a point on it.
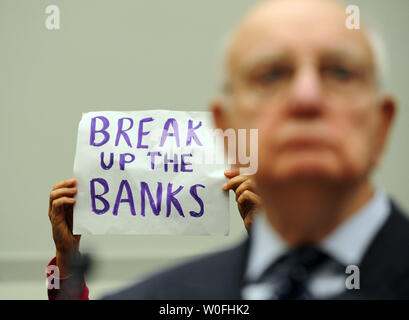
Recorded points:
(387, 111)
(220, 116)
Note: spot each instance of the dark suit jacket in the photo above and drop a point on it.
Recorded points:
(384, 271)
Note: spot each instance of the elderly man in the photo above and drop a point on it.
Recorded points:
(313, 89)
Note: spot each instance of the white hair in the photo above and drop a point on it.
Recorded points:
(381, 65)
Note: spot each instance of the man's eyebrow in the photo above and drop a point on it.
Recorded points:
(344, 55)
(266, 58)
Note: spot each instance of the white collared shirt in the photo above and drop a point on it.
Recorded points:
(347, 244)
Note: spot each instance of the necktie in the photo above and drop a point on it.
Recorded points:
(292, 271)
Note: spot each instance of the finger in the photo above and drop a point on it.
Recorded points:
(58, 193)
(246, 185)
(55, 194)
(65, 183)
(233, 183)
(251, 197)
(247, 204)
(232, 172)
(61, 201)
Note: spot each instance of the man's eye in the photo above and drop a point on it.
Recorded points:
(273, 75)
(340, 73)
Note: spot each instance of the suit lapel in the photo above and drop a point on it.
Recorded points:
(384, 270)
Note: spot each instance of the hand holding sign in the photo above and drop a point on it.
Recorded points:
(244, 187)
(60, 212)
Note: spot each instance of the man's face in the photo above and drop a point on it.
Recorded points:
(307, 83)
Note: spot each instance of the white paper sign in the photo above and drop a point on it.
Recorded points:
(149, 172)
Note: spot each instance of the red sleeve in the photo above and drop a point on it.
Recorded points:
(55, 284)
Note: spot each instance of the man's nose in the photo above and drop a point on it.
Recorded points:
(306, 96)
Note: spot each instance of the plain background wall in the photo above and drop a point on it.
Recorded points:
(126, 55)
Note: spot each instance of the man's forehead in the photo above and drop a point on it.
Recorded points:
(294, 24)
